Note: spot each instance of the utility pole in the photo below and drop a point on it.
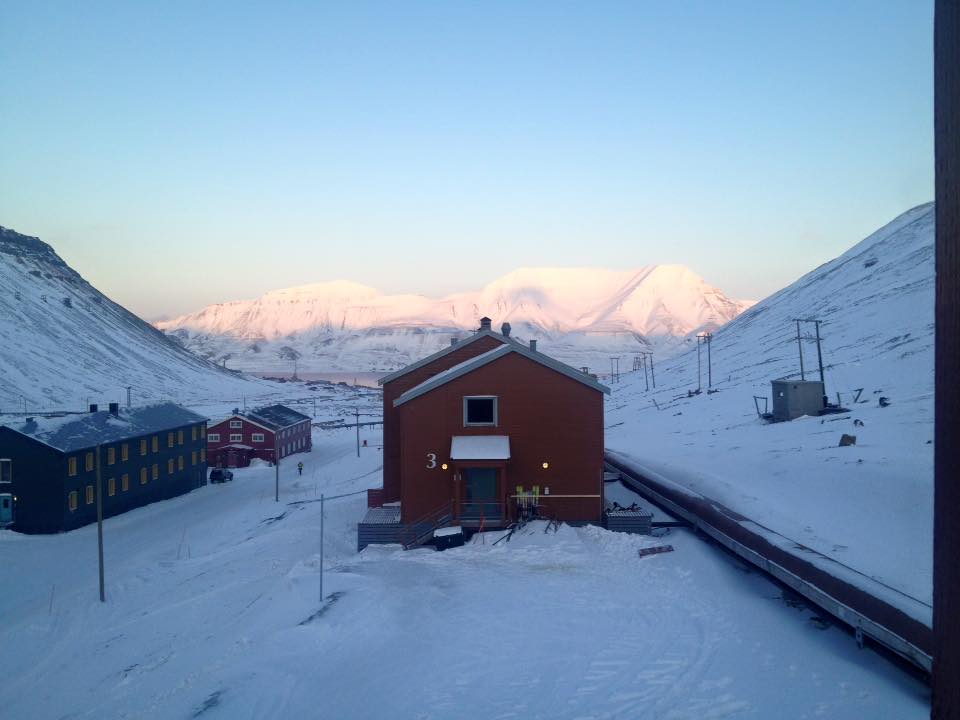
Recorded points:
(645, 378)
(708, 338)
(819, 354)
(653, 377)
(699, 387)
(129, 387)
(276, 465)
(314, 406)
(321, 549)
(103, 597)
(356, 413)
(800, 347)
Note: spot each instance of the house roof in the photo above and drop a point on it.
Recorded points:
(277, 416)
(490, 356)
(480, 447)
(445, 351)
(239, 416)
(86, 430)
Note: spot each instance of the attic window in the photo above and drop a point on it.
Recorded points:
(480, 410)
(236, 423)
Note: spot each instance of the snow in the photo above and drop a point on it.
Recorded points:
(480, 447)
(212, 611)
(448, 531)
(869, 507)
(581, 315)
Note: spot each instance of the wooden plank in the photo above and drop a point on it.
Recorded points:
(645, 552)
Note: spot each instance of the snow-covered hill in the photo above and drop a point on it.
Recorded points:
(583, 314)
(869, 506)
(62, 341)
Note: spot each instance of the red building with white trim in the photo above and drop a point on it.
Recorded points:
(260, 433)
(478, 432)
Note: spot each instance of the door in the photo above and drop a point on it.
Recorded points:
(480, 496)
(6, 508)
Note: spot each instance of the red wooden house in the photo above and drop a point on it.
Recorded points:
(488, 429)
(262, 433)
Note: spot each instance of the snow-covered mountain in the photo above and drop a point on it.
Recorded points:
(63, 342)
(584, 315)
(869, 505)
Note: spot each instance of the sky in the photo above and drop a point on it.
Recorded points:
(182, 154)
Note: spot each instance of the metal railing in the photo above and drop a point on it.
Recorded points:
(420, 530)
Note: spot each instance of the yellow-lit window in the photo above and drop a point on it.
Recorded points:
(72, 500)
(156, 471)
(143, 446)
(124, 452)
(89, 462)
(203, 455)
(193, 432)
(125, 482)
(89, 495)
(111, 455)
(72, 467)
(112, 487)
(143, 476)
(170, 466)
(180, 463)
(179, 437)
(155, 443)
(203, 431)
(193, 458)
(169, 439)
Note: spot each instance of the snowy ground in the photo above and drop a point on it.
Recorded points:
(213, 606)
(869, 506)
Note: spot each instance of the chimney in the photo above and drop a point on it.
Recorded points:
(115, 409)
(585, 370)
(505, 329)
(484, 323)
(454, 341)
(533, 345)
(29, 421)
(93, 407)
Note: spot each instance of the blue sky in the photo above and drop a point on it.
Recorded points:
(179, 154)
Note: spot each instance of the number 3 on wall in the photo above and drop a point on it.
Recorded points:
(431, 461)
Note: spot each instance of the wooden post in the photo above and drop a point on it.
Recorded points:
(946, 530)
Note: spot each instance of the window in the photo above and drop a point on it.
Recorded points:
(155, 442)
(203, 455)
(213, 437)
(125, 482)
(143, 476)
(179, 437)
(155, 471)
(143, 446)
(111, 455)
(203, 431)
(193, 432)
(236, 437)
(72, 500)
(170, 466)
(112, 487)
(236, 423)
(180, 463)
(193, 457)
(481, 410)
(257, 437)
(6, 471)
(89, 495)
(124, 452)
(169, 439)
(88, 465)
(71, 466)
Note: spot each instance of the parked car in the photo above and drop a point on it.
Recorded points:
(219, 475)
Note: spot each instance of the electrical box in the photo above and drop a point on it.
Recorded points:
(796, 398)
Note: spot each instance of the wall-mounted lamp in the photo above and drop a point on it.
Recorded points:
(444, 466)
(545, 465)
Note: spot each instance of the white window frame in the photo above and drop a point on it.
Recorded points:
(236, 437)
(234, 424)
(9, 463)
(213, 437)
(496, 410)
(256, 437)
